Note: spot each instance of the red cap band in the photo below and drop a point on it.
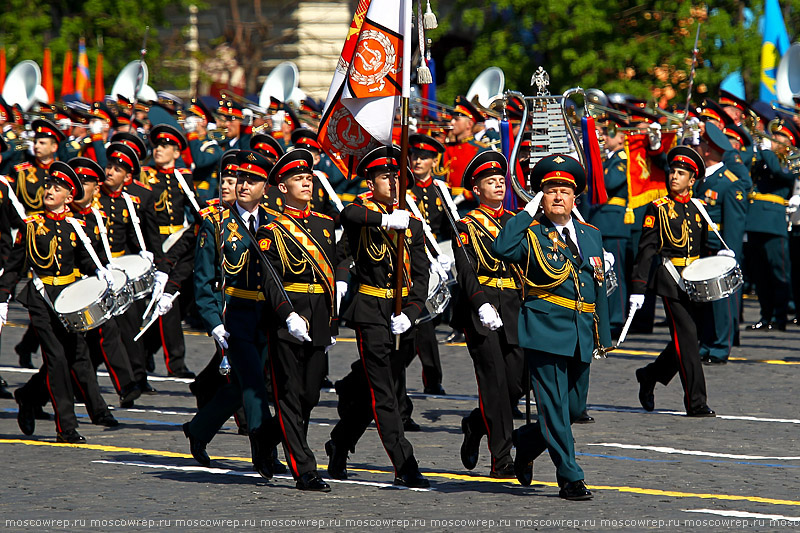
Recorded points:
(253, 169)
(728, 102)
(487, 166)
(293, 165)
(383, 162)
(266, 146)
(308, 141)
(687, 161)
(424, 146)
(85, 171)
(710, 113)
(122, 157)
(168, 136)
(783, 130)
(58, 175)
(559, 175)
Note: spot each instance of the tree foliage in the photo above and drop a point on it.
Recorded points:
(617, 45)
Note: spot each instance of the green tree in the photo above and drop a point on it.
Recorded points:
(28, 26)
(617, 45)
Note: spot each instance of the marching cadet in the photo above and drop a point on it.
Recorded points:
(460, 149)
(609, 218)
(564, 317)
(272, 150)
(487, 310)
(321, 202)
(240, 333)
(10, 153)
(301, 245)
(238, 124)
(105, 342)
(725, 196)
(206, 153)
(55, 248)
(175, 265)
(674, 234)
(767, 232)
(369, 392)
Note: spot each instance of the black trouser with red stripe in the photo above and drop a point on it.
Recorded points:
(427, 348)
(369, 393)
(66, 357)
(499, 371)
(129, 323)
(297, 372)
(167, 333)
(105, 346)
(682, 355)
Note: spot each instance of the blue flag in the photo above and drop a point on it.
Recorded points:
(775, 43)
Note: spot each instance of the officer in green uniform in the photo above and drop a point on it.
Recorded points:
(564, 318)
(726, 199)
(740, 150)
(206, 152)
(238, 125)
(767, 230)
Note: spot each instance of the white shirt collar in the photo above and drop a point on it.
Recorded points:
(570, 225)
(713, 168)
(247, 214)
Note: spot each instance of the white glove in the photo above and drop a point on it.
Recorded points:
(609, 260)
(636, 301)
(96, 126)
(247, 117)
(397, 219)
(437, 269)
(341, 290)
(766, 144)
(159, 282)
(445, 261)
(220, 335)
(400, 324)
(331, 345)
(105, 275)
(3, 313)
(297, 327)
(460, 198)
(64, 124)
(654, 135)
(191, 123)
(164, 304)
(695, 140)
(794, 202)
(533, 206)
(489, 317)
(726, 253)
(144, 254)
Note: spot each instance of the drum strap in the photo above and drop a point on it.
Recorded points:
(85, 240)
(39, 286)
(673, 272)
(135, 220)
(186, 189)
(101, 226)
(711, 223)
(412, 205)
(18, 207)
(323, 180)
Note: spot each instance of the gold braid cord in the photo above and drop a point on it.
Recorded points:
(234, 269)
(34, 251)
(22, 190)
(164, 203)
(558, 275)
(288, 259)
(666, 231)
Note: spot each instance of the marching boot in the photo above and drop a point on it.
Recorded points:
(197, 447)
(261, 449)
(337, 460)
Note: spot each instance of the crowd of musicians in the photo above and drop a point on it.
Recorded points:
(249, 229)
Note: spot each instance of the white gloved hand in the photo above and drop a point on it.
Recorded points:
(221, 336)
(794, 201)
(489, 317)
(726, 253)
(766, 144)
(64, 124)
(144, 254)
(636, 301)
(164, 304)
(654, 134)
(3, 313)
(191, 123)
(437, 269)
(533, 206)
(247, 117)
(298, 328)
(341, 290)
(96, 126)
(105, 275)
(608, 259)
(331, 345)
(159, 282)
(397, 219)
(445, 261)
(400, 324)
(460, 198)
(695, 140)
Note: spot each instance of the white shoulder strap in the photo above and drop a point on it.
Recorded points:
(186, 189)
(101, 225)
(447, 198)
(134, 220)
(710, 222)
(85, 240)
(18, 207)
(323, 179)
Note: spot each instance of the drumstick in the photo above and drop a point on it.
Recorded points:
(154, 318)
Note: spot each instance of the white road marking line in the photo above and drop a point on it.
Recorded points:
(228, 472)
(99, 374)
(683, 414)
(665, 449)
(742, 514)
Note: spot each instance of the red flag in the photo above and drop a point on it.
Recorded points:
(47, 76)
(82, 81)
(646, 182)
(99, 88)
(2, 66)
(67, 88)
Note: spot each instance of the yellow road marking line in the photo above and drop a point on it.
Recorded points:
(443, 475)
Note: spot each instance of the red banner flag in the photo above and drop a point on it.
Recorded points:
(82, 83)
(646, 181)
(47, 76)
(2, 66)
(67, 88)
(99, 88)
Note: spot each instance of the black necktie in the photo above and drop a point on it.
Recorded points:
(252, 224)
(570, 243)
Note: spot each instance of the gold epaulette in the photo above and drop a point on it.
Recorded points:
(142, 184)
(213, 201)
(80, 221)
(534, 223)
(320, 215)
(661, 201)
(272, 225)
(730, 175)
(135, 199)
(184, 171)
(22, 166)
(35, 217)
(587, 224)
(622, 154)
(208, 211)
(365, 195)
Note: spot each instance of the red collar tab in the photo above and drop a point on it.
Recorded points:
(297, 213)
(427, 181)
(495, 213)
(682, 199)
(57, 216)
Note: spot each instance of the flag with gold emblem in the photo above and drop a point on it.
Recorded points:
(646, 181)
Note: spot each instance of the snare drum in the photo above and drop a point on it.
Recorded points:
(84, 305)
(140, 274)
(712, 278)
(122, 292)
(438, 298)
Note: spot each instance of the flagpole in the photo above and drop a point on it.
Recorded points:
(401, 204)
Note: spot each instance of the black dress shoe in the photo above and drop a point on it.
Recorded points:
(575, 491)
(760, 325)
(311, 481)
(436, 390)
(455, 336)
(470, 448)
(523, 465)
(708, 360)
(26, 416)
(277, 466)
(584, 418)
(71, 436)
(504, 472)
(25, 357)
(40, 414)
(185, 373)
(196, 447)
(702, 411)
(3, 383)
(337, 460)
(261, 452)
(412, 478)
(647, 390)
(106, 420)
(146, 388)
(411, 426)
(779, 325)
(128, 394)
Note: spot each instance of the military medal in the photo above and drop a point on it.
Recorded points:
(597, 263)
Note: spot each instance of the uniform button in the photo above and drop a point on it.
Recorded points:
(388, 285)
(258, 286)
(582, 284)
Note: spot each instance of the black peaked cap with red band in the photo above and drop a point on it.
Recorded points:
(228, 164)
(558, 168)
(62, 174)
(305, 138)
(43, 128)
(122, 154)
(420, 143)
(132, 140)
(465, 108)
(267, 145)
(686, 157)
(297, 161)
(253, 165)
(382, 158)
(488, 163)
(87, 169)
(166, 134)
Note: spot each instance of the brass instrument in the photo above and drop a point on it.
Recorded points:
(792, 156)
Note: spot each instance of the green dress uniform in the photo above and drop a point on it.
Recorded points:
(206, 154)
(767, 233)
(609, 218)
(11, 155)
(726, 199)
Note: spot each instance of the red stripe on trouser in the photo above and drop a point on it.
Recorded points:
(110, 368)
(684, 381)
(483, 414)
(50, 390)
(372, 393)
(164, 343)
(292, 461)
